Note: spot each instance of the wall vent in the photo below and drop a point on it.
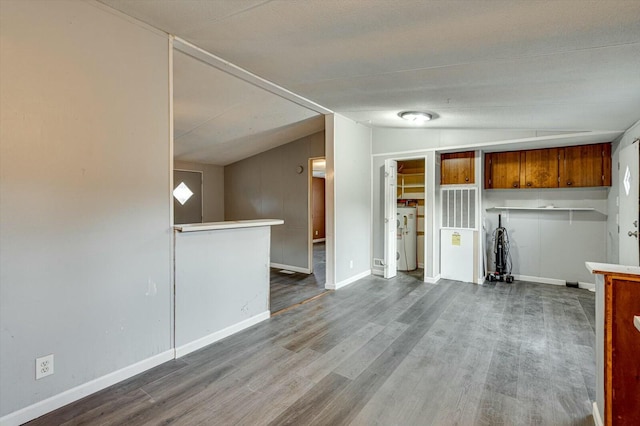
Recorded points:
(458, 207)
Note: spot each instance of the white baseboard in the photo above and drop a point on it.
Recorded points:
(597, 419)
(348, 281)
(553, 281)
(377, 271)
(480, 280)
(587, 286)
(319, 240)
(221, 334)
(290, 268)
(47, 405)
(432, 280)
(540, 280)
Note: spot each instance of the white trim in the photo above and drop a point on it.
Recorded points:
(221, 334)
(432, 280)
(229, 224)
(377, 271)
(290, 268)
(251, 78)
(350, 280)
(480, 280)
(74, 394)
(540, 280)
(330, 198)
(172, 278)
(319, 240)
(420, 265)
(597, 419)
(587, 286)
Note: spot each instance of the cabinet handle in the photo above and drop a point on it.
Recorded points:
(466, 179)
(569, 183)
(528, 183)
(515, 185)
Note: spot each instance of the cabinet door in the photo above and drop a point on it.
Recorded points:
(583, 166)
(539, 168)
(622, 339)
(502, 170)
(457, 168)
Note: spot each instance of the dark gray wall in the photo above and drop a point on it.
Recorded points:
(266, 186)
(212, 188)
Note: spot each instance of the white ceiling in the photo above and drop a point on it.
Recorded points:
(220, 119)
(551, 65)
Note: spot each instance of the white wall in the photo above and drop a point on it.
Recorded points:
(540, 240)
(222, 284)
(212, 188)
(406, 141)
(267, 186)
(84, 163)
(349, 186)
(546, 244)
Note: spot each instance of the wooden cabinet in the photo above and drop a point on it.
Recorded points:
(502, 170)
(576, 166)
(539, 168)
(457, 168)
(622, 340)
(585, 165)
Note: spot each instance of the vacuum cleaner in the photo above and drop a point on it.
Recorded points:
(500, 243)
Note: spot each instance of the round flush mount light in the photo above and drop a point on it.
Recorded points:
(415, 116)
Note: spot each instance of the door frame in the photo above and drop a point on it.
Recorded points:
(310, 210)
(423, 158)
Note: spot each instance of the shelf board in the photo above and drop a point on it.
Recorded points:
(410, 174)
(412, 185)
(549, 209)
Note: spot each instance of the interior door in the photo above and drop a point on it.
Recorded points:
(390, 213)
(628, 216)
(187, 197)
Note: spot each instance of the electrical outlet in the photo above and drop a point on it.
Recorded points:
(316, 232)
(44, 366)
(351, 264)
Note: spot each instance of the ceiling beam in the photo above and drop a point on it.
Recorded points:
(226, 66)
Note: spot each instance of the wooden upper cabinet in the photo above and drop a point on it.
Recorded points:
(457, 168)
(574, 166)
(502, 170)
(585, 165)
(539, 168)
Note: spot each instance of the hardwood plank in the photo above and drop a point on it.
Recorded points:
(391, 352)
(313, 401)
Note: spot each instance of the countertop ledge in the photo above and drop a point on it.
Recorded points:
(609, 268)
(229, 224)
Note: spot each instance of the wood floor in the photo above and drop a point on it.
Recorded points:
(290, 289)
(379, 352)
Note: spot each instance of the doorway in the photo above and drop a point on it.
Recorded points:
(292, 288)
(405, 217)
(187, 197)
(629, 251)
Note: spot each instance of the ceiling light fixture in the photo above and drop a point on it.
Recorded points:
(415, 116)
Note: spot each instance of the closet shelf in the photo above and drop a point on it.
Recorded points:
(549, 209)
